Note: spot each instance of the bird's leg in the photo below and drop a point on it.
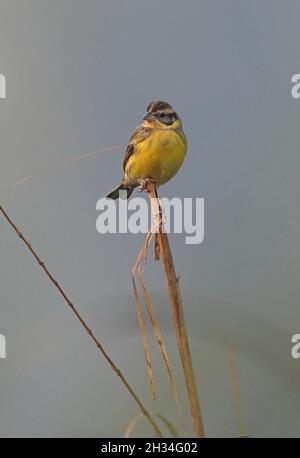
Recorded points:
(143, 182)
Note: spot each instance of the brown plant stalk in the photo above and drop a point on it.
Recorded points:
(137, 269)
(177, 309)
(236, 391)
(58, 164)
(114, 367)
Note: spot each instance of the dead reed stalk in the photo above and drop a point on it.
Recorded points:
(236, 391)
(138, 269)
(177, 309)
(55, 283)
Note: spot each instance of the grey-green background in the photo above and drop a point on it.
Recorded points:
(79, 75)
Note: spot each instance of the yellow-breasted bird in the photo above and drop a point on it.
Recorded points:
(155, 151)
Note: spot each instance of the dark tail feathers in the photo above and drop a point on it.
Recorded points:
(121, 187)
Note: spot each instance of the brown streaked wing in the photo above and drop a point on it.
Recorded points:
(139, 134)
(182, 136)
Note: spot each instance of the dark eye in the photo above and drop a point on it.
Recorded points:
(162, 115)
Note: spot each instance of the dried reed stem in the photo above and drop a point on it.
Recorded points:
(57, 164)
(137, 269)
(177, 310)
(236, 391)
(83, 323)
(162, 348)
(144, 340)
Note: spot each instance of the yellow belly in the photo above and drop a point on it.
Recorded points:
(158, 156)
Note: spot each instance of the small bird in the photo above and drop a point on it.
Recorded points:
(155, 151)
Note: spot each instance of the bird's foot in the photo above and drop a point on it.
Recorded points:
(143, 182)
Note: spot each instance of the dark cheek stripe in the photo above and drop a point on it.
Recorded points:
(167, 121)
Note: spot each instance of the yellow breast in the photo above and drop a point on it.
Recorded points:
(159, 156)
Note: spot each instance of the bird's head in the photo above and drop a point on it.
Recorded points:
(161, 115)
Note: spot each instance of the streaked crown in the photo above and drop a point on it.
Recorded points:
(162, 113)
(158, 105)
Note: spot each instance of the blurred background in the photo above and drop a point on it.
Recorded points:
(79, 75)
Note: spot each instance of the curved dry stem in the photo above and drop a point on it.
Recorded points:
(168, 424)
(137, 268)
(84, 324)
(57, 164)
(163, 350)
(177, 311)
(236, 391)
(144, 340)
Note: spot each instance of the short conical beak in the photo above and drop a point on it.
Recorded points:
(147, 117)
